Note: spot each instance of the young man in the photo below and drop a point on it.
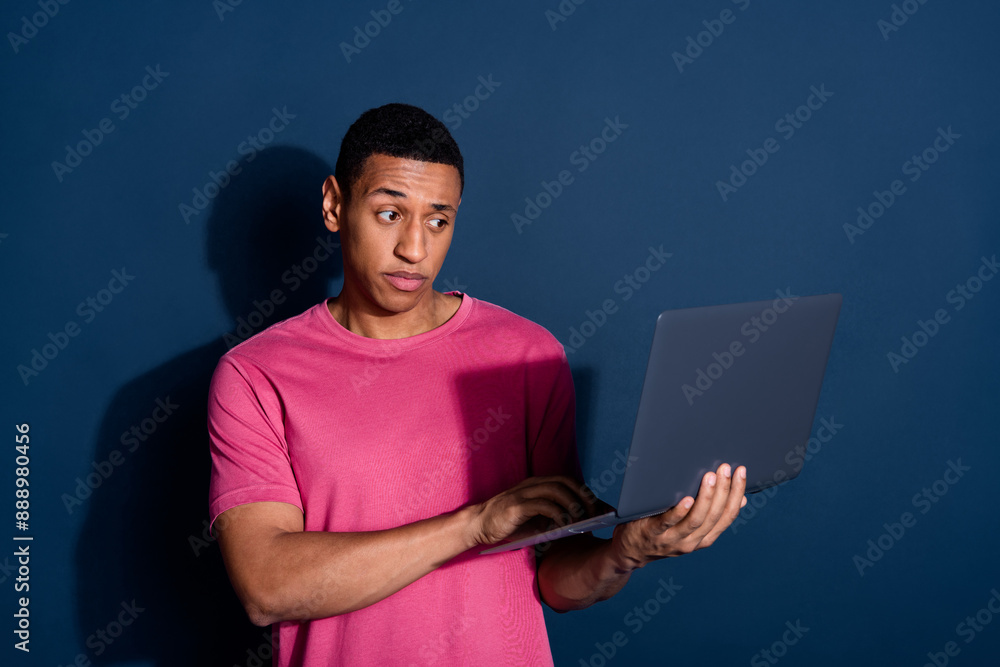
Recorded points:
(366, 450)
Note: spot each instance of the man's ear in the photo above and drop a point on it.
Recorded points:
(333, 204)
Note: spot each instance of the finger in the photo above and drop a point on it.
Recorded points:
(589, 503)
(724, 475)
(740, 481)
(723, 480)
(739, 489)
(569, 482)
(734, 502)
(593, 504)
(737, 497)
(702, 504)
(673, 516)
(589, 500)
(526, 510)
(737, 492)
(561, 490)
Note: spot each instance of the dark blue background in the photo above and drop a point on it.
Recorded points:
(137, 536)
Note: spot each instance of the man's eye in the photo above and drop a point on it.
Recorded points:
(389, 216)
(440, 223)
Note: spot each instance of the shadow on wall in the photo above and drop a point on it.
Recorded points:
(144, 556)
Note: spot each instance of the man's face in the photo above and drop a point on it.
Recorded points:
(396, 229)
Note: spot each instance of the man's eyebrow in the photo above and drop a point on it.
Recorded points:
(402, 195)
(387, 191)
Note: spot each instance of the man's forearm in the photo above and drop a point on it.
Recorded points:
(576, 572)
(310, 575)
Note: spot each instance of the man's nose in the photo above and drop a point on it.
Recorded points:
(411, 244)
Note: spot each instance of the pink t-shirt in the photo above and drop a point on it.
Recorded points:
(364, 434)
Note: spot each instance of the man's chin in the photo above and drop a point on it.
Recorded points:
(401, 301)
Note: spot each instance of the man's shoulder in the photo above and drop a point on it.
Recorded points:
(515, 327)
(295, 330)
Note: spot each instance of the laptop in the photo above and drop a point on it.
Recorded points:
(736, 383)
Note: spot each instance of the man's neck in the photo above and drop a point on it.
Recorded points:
(364, 318)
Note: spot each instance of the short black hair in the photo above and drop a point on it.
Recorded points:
(396, 130)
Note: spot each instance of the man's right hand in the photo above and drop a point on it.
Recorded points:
(534, 505)
(282, 572)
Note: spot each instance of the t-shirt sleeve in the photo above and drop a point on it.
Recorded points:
(552, 417)
(250, 461)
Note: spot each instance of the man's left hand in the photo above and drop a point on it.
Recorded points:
(690, 525)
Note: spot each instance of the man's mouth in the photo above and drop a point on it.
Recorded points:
(405, 281)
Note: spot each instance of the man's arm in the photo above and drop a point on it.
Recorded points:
(282, 573)
(577, 572)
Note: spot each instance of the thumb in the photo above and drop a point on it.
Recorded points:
(673, 516)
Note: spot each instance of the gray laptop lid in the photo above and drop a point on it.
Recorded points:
(736, 383)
